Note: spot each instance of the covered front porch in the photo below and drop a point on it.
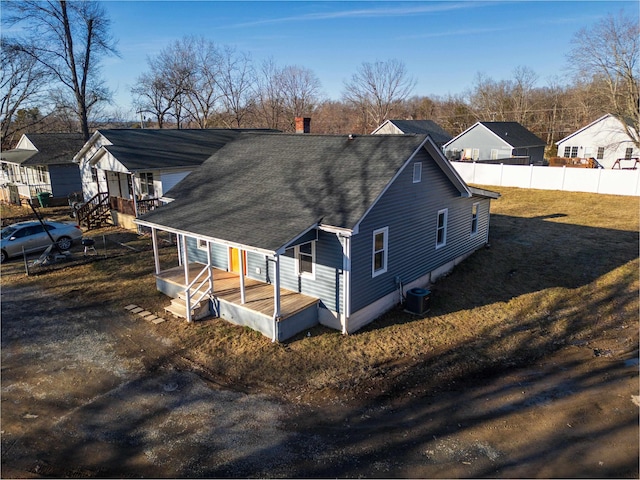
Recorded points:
(245, 301)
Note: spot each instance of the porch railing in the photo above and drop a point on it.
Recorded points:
(94, 212)
(128, 207)
(198, 294)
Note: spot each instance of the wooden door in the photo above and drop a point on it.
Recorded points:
(234, 260)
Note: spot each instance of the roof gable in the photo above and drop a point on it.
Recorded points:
(153, 149)
(512, 133)
(605, 118)
(419, 127)
(45, 149)
(263, 190)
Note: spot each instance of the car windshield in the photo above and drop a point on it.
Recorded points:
(7, 232)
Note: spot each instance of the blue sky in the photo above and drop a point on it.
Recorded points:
(444, 44)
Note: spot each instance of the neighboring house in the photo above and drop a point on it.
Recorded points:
(496, 142)
(280, 232)
(125, 172)
(41, 163)
(428, 127)
(605, 139)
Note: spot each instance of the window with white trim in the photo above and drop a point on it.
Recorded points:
(567, 152)
(146, 184)
(202, 244)
(380, 251)
(441, 228)
(600, 155)
(574, 152)
(474, 218)
(417, 172)
(306, 259)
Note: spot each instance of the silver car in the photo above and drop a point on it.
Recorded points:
(32, 237)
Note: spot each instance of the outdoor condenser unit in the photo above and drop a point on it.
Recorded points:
(418, 300)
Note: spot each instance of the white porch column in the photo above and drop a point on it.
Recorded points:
(346, 278)
(210, 267)
(154, 240)
(276, 297)
(185, 258)
(243, 297)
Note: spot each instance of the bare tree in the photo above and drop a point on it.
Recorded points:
(609, 52)
(68, 39)
(270, 103)
(154, 96)
(236, 81)
(22, 82)
(377, 88)
(300, 91)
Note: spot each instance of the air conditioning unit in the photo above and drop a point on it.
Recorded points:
(418, 301)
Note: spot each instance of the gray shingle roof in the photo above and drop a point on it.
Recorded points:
(144, 149)
(263, 190)
(514, 134)
(438, 134)
(53, 149)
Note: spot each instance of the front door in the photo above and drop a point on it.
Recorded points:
(234, 260)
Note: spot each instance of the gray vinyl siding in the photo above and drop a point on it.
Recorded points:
(220, 259)
(410, 212)
(65, 179)
(327, 285)
(482, 139)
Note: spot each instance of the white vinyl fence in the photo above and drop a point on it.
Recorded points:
(593, 180)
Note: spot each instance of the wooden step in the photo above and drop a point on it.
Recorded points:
(178, 308)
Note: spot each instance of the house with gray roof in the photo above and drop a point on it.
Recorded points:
(41, 163)
(125, 172)
(609, 140)
(438, 134)
(280, 232)
(496, 142)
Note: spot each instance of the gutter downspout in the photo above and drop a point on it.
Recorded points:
(276, 297)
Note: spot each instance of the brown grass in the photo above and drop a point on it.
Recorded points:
(562, 269)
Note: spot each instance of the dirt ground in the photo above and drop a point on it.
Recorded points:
(94, 393)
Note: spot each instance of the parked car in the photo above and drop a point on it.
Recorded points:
(33, 237)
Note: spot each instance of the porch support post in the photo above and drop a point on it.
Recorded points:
(185, 258)
(243, 297)
(210, 267)
(346, 278)
(154, 240)
(134, 190)
(276, 297)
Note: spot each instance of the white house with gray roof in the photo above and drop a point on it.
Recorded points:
(125, 172)
(280, 232)
(41, 163)
(606, 139)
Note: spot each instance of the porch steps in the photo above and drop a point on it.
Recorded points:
(178, 308)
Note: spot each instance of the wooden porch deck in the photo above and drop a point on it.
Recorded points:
(258, 295)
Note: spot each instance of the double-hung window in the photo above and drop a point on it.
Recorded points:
(380, 251)
(441, 229)
(474, 219)
(306, 259)
(600, 155)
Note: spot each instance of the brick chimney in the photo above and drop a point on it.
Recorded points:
(303, 125)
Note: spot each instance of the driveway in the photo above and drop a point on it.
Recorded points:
(94, 393)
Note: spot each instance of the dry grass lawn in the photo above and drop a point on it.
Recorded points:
(561, 269)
